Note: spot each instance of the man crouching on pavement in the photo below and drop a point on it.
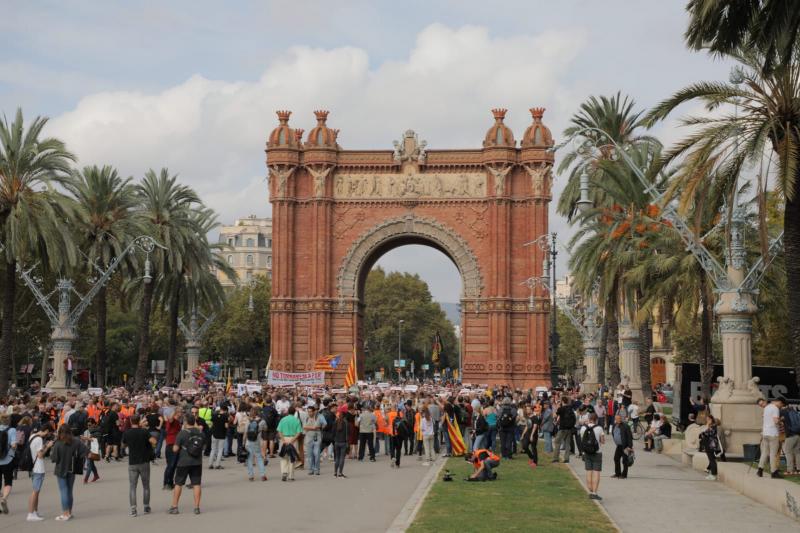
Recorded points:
(483, 461)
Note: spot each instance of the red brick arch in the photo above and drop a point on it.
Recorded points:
(335, 212)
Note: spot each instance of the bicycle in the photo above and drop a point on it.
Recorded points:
(638, 429)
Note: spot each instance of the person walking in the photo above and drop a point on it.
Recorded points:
(367, 427)
(565, 420)
(341, 433)
(68, 455)
(93, 436)
(428, 434)
(507, 422)
(400, 431)
(312, 427)
(255, 444)
(436, 417)
(530, 436)
(39, 445)
(592, 438)
(219, 432)
(770, 437)
(8, 447)
(289, 429)
(709, 442)
(623, 439)
(141, 444)
(172, 426)
(189, 446)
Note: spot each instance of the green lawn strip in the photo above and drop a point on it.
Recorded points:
(547, 498)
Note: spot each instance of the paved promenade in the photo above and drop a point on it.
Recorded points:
(368, 500)
(661, 494)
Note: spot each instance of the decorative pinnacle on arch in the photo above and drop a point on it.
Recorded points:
(322, 116)
(283, 116)
(537, 113)
(499, 114)
(298, 135)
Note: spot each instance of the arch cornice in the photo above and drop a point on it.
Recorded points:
(409, 226)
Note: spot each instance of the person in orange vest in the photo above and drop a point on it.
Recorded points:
(382, 432)
(483, 461)
(93, 410)
(390, 429)
(418, 435)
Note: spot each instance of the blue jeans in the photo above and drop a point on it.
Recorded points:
(254, 452)
(479, 440)
(548, 441)
(160, 443)
(65, 485)
(313, 450)
(491, 436)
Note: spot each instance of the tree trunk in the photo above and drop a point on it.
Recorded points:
(602, 353)
(706, 346)
(144, 336)
(791, 247)
(7, 339)
(100, 359)
(613, 340)
(174, 308)
(644, 353)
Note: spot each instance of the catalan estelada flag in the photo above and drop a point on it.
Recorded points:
(456, 440)
(437, 348)
(352, 373)
(327, 362)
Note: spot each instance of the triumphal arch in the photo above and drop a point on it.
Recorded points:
(336, 211)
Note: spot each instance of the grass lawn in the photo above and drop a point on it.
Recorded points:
(547, 498)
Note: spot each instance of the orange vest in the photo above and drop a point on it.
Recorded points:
(381, 422)
(417, 426)
(478, 462)
(392, 416)
(94, 412)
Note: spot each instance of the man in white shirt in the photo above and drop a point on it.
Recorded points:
(770, 431)
(38, 449)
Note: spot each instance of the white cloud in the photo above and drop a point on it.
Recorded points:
(213, 132)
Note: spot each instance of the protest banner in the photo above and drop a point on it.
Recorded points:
(282, 379)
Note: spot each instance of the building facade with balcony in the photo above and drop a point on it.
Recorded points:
(249, 249)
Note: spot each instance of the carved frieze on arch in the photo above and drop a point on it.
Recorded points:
(409, 226)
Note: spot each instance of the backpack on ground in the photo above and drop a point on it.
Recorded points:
(3, 443)
(195, 444)
(508, 418)
(589, 442)
(252, 431)
(26, 458)
(793, 419)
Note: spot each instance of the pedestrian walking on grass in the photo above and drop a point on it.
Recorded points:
(141, 445)
(592, 438)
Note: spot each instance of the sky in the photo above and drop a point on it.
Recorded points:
(193, 85)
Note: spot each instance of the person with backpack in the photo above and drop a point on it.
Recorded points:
(33, 461)
(269, 414)
(592, 438)
(8, 447)
(255, 444)
(289, 430)
(189, 445)
(507, 422)
(68, 454)
(565, 419)
(791, 446)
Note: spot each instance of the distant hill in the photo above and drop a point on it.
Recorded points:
(451, 310)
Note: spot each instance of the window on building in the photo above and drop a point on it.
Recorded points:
(248, 275)
(269, 275)
(249, 260)
(230, 241)
(269, 261)
(236, 241)
(250, 243)
(269, 243)
(262, 242)
(230, 259)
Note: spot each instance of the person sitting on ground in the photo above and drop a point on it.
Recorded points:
(483, 461)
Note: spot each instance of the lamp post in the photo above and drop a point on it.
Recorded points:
(193, 334)
(64, 320)
(399, 345)
(547, 244)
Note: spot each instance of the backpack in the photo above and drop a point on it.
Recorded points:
(569, 419)
(252, 431)
(270, 415)
(461, 415)
(507, 418)
(589, 442)
(793, 421)
(481, 425)
(3, 443)
(400, 427)
(195, 444)
(26, 459)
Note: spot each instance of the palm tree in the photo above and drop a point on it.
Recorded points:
(765, 127)
(106, 223)
(33, 214)
(166, 209)
(616, 117)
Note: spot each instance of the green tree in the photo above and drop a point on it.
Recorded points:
(397, 296)
(570, 347)
(32, 213)
(105, 225)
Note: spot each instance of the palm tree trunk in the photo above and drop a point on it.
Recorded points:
(144, 336)
(613, 339)
(706, 347)
(791, 247)
(174, 307)
(7, 339)
(100, 354)
(644, 353)
(602, 354)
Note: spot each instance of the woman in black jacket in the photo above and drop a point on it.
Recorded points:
(68, 454)
(341, 434)
(623, 438)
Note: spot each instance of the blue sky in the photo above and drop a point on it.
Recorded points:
(193, 85)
